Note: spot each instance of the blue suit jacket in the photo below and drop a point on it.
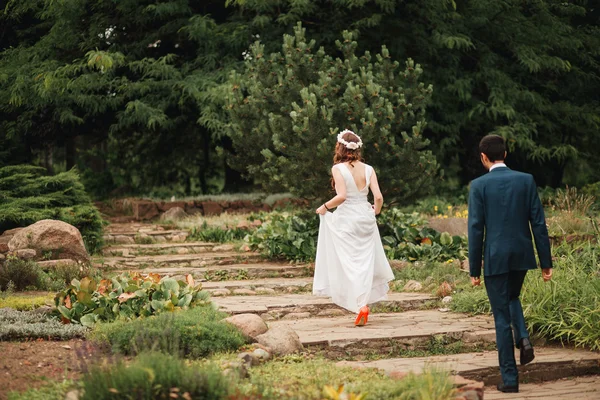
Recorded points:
(504, 210)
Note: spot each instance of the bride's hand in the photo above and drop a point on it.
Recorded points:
(321, 210)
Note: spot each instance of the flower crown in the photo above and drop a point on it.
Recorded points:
(349, 145)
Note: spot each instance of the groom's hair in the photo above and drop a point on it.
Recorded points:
(493, 147)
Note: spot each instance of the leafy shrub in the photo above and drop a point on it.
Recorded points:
(18, 325)
(207, 233)
(27, 195)
(24, 274)
(127, 296)
(61, 275)
(405, 237)
(286, 236)
(155, 376)
(192, 333)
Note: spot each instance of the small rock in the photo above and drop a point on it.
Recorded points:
(397, 375)
(251, 325)
(444, 310)
(121, 239)
(445, 289)
(281, 339)
(72, 395)
(224, 248)
(249, 359)
(464, 265)
(236, 368)
(261, 354)
(447, 299)
(244, 292)
(256, 223)
(472, 395)
(26, 254)
(267, 317)
(66, 347)
(160, 239)
(2, 257)
(291, 289)
(297, 315)
(264, 290)
(412, 286)
(174, 214)
(243, 225)
(220, 292)
(183, 250)
(331, 313)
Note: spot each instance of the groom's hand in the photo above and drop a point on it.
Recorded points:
(547, 274)
(475, 281)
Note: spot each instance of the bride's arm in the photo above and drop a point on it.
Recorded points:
(377, 196)
(340, 189)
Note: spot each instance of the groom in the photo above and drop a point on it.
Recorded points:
(504, 209)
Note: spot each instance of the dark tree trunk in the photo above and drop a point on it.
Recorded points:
(70, 150)
(48, 161)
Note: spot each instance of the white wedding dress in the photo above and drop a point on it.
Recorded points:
(351, 266)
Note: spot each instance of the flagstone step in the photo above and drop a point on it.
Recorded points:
(278, 285)
(178, 260)
(231, 272)
(579, 388)
(296, 306)
(134, 250)
(549, 364)
(389, 332)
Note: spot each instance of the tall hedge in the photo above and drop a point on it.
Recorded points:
(28, 195)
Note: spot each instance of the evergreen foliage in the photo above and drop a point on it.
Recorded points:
(138, 86)
(27, 195)
(288, 107)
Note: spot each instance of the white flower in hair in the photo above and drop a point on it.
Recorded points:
(349, 145)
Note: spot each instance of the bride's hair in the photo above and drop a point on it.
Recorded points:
(343, 154)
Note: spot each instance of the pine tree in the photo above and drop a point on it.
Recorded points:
(286, 109)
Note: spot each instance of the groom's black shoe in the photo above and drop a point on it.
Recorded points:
(508, 388)
(527, 355)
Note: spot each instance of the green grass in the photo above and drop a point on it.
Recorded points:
(295, 377)
(51, 391)
(206, 233)
(566, 309)
(431, 275)
(192, 333)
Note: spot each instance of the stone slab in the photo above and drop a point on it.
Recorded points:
(160, 246)
(273, 283)
(581, 388)
(262, 304)
(179, 258)
(149, 233)
(549, 363)
(340, 331)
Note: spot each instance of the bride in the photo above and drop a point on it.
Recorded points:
(351, 266)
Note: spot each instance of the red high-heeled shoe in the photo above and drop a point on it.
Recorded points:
(363, 317)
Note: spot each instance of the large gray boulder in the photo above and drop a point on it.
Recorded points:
(281, 340)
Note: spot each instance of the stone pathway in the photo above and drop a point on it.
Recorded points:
(579, 388)
(294, 306)
(241, 282)
(549, 364)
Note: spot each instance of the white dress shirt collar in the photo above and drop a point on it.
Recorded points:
(497, 165)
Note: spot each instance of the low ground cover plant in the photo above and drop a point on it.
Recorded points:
(127, 296)
(29, 325)
(154, 375)
(193, 333)
(206, 233)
